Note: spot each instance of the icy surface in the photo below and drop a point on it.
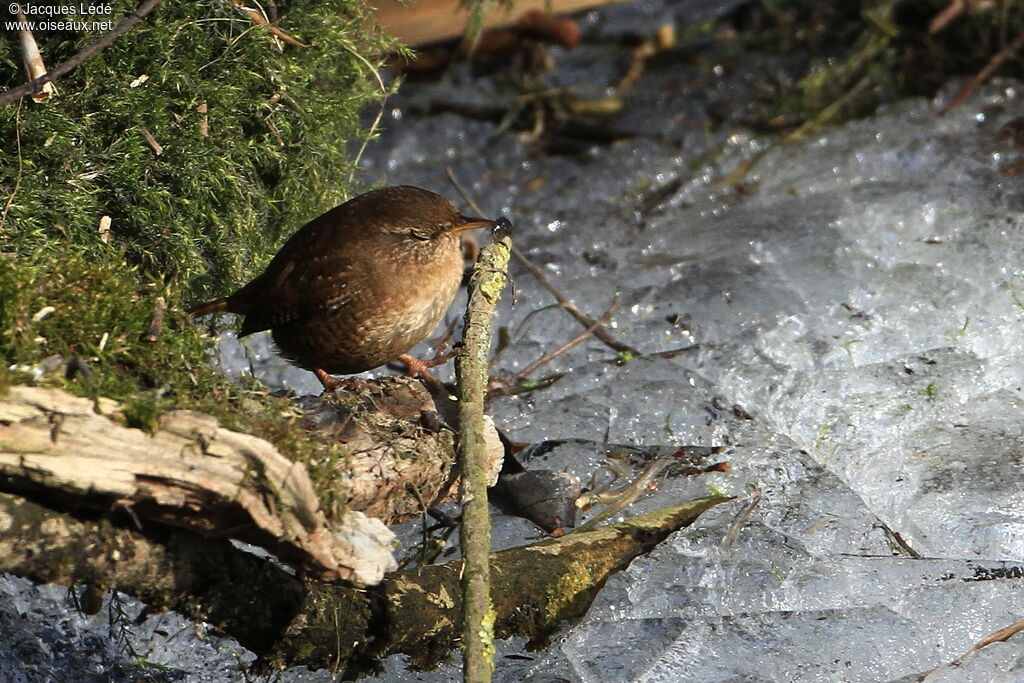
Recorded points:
(44, 640)
(847, 329)
(861, 305)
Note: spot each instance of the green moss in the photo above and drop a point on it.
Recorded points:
(64, 306)
(100, 314)
(209, 210)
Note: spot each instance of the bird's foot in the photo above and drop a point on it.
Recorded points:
(421, 368)
(330, 383)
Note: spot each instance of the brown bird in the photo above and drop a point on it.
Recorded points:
(360, 285)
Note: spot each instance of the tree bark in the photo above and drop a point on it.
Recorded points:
(84, 498)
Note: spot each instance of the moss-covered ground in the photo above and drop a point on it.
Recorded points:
(255, 136)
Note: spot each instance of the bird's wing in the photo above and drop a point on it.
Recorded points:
(305, 279)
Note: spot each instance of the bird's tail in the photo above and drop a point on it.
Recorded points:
(209, 307)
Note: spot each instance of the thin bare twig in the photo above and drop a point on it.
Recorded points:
(898, 540)
(1000, 636)
(380, 112)
(204, 119)
(986, 72)
(21, 165)
(485, 286)
(151, 141)
(619, 499)
(827, 114)
(741, 518)
(274, 130)
(599, 331)
(510, 387)
(156, 323)
(258, 18)
(85, 53)
(551, 355)
(954, 9)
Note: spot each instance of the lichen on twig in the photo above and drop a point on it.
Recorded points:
(486, 284)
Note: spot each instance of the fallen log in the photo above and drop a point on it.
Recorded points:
(290, 622)
(192, 473)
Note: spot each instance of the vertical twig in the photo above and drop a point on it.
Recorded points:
(204, 119)
(375, 126)
(156, 323)
(485, 286)
(21, 165)
(33, 60)
(104, 229)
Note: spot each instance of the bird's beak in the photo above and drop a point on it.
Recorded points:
(471, 222)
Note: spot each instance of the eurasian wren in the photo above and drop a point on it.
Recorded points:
(360, 285)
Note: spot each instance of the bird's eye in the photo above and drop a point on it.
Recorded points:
(421, 235)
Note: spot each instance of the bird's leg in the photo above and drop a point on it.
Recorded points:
(414, 367)
(330, 383)
(420, 368)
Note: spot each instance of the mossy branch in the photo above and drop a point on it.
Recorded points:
(485, 287)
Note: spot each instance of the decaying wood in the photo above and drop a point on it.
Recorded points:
(534, 588)
(289, 623)
(195, 474)
(167, 568)
(191, 473)
(33, 60)
(429, 21)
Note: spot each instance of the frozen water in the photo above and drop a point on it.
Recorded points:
(46, 640)
(861, 304)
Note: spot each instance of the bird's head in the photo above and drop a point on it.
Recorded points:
(420, 221)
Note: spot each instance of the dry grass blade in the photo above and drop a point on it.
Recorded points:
(258, 18)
